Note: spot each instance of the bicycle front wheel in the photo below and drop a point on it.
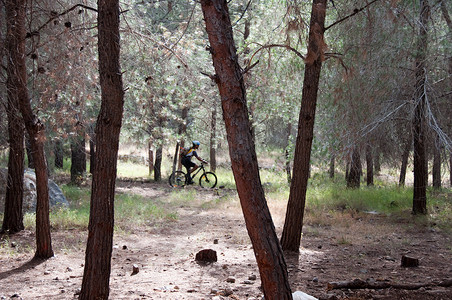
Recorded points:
(177, 179)
(208, 180)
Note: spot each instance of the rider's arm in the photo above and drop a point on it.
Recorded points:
(199, 158)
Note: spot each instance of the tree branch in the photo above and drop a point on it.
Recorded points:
(273, 46)
(361, 284)
(355, 11)
(57, 15)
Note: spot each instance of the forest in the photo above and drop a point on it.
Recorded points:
(326, 123)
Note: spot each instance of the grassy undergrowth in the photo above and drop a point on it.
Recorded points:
(327, 202)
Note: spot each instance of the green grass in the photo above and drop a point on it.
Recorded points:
(131, 170)
(135, 210)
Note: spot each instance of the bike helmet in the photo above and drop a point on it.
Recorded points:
(196, 143)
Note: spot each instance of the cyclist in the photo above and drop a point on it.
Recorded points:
(187, 154)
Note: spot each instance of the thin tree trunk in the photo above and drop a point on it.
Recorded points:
(287, 154)
(354, 177)
(405, 155)
(150, 158)
(377, 162)
(448, 19)
(420, 159)
(96, 276)
(268, 253)
(182, 131)
(158, 164)
(31, 164)
(59, 154)
(213, 139)
(450, 169)
(92, 149)
(332, 166)
(78, 159)
(436, 171)
(291, 235)
(15, 14)
(369, 165)
(13, 215)
(176, 155)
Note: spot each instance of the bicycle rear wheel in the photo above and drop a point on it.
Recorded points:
(177, 179)
(208, 180)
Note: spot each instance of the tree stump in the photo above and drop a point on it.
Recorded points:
(409, 262)
(206, 256)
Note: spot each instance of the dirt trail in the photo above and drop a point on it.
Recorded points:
(164, 254)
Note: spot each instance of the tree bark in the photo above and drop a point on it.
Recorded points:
(405, 155)
(96, 276)
(150, 157)
(176, 155)
(354, 176)
(213, 139)
(267, 250)
(92, 149)
(369, 165)
(377, 163)
(420, 158)
(59, 154)
(291, 235)
(31, 163)
(436, 170)
(182, 131)
(158, 164)
(13, 215)
(287, 154)
(15, 14)
(448, 19)
(332, 166)
(78, 159)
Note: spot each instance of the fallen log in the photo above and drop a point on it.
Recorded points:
(362, 284)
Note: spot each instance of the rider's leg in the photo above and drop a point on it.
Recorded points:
(190, 180)
(194, 168)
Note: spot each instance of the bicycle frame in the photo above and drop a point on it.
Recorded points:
(201, 167)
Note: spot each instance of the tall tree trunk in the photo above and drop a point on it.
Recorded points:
(405, 155)
(150, 157)
(59, 154)
(377, 161)
(15, 14)
(78, 159)
(182, 131)
(213, 139)
(96, 276)
(420, 159)
(450, 169)
(158, 164)
(13, 216)
(332, 166)
(267, 250)
(92, 149)
(291, 235)
(287, 154)
(176, 155)
(369, 165)
(448, 19)
(436, 170)
(354, 176)
(31, 163)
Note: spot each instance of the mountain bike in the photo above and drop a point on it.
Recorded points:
(207, 179)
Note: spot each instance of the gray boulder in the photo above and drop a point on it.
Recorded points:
(56, 197)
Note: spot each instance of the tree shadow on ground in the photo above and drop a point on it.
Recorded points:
(23, 268)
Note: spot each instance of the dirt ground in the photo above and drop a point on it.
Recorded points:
(363, 246)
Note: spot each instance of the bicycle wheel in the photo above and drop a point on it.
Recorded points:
(177, 179)
(208, 180)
